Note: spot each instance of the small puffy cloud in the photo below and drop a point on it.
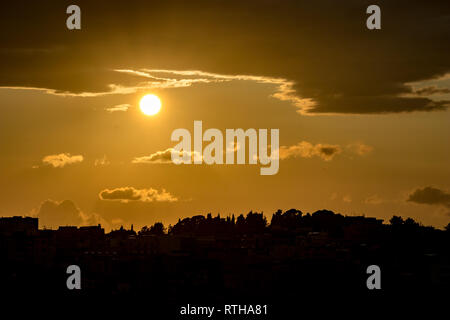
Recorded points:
(119, 107)
(127, 194)
(62, 159)
(306, 149)
(430, 196)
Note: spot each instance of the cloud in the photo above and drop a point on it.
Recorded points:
(430, 196)
(331, 66)
(427, 91)
(306, 149)
(359, 148)
(62, 159)
(119, 107)
(157, 157)
(127, 194)
(162, 157)
(101, 162)
(373, 199)
(53, 214)
(302, 149)
(327, 152)
(347, 198)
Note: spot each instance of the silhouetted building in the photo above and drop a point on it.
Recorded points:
(10, 225)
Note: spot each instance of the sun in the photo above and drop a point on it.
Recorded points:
(150, 104)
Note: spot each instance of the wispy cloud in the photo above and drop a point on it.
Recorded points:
(373, 199)
(165, 79)
(347, 198)
(119, 107)
(325, 151)
(359, 148)
(306, 149)
(126, 194)
(427, 91)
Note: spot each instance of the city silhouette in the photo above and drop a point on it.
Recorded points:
(213, 258)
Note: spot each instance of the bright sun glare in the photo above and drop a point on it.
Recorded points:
(150, 104)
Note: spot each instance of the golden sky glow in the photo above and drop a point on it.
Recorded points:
(363, 122)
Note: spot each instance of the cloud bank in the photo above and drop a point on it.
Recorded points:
(318, 54)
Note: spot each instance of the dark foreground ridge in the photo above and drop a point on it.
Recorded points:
(214, 259)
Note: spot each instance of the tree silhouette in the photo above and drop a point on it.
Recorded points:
(157, 229)
(396, 221)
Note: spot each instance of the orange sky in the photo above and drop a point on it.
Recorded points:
(71, 124)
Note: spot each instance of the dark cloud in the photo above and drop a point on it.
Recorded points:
(328, 150)
(322, 46)
(430, 196)
(53, 214)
